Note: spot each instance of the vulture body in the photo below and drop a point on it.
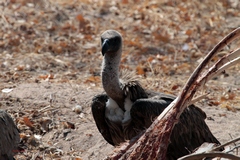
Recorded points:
(126, 109)
(9, 136)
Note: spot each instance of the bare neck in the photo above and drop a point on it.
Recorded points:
(110, 77)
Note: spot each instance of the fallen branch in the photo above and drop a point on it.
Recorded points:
(224, 63)
(209, 155)
(154, 142)
(225, 144)
(207, 150)
(221, 65)
(232, 149)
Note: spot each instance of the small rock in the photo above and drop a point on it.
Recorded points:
(81, 115)
(78, 109)
(185, 47)
(35, 140)
(37, 137)
(7, 90)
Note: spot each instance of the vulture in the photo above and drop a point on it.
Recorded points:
(9, 136)
(126, 109)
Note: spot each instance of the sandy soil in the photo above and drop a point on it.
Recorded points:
(84, 141)
(50, 60)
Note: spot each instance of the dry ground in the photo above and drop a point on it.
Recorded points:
(50, 60)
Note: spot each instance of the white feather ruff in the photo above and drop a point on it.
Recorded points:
(113, 111)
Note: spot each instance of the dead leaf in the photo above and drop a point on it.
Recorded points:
(150, 59)
(140, 70)
(189, 32)
(222, 115)
(20, 68)
(184, 66)
(95, 79)
(229, 108)
(80, 18)
(28, 122)
(161, 37)
(46, 76)
(89, 135)
(224, 98)
(214, 103)
(63, 44)
(67, 125)
(88, 37)
(134, 43)
(174, 87)
(23, 136)
(124, 1)
(231, 96)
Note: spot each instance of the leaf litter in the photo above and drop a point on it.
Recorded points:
(53, 48)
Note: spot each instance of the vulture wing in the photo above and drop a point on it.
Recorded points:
(189, 133)
(98, 111)
(9, 136)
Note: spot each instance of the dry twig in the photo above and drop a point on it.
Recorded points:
(209, 155)
(225, 144)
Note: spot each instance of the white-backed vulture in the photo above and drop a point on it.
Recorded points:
(127, 109)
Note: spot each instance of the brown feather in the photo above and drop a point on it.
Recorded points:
(131, 86)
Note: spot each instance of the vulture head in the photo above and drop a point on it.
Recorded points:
(111, 42)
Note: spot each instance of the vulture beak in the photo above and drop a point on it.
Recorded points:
(105, 46)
